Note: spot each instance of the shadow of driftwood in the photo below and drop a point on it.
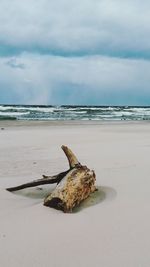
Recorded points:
(104, 193)
(36, 192)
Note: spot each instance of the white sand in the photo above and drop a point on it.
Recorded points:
(112, 229)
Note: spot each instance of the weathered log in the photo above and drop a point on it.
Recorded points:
(73, 188)
(73, 185)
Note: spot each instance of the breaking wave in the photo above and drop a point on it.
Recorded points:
(22, 112)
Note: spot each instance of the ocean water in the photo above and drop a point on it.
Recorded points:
(23, 112)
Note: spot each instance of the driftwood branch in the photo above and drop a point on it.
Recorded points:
(73, 161)
(73, 185)
(45, 180)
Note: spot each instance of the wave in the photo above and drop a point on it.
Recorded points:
(7, 118)
(13, 114)
(74, 112)
(23, 108)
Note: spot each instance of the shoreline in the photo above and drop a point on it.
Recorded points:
(31, 123)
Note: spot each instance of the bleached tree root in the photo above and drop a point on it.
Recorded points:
(73, 185)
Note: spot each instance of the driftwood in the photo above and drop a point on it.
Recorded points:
(73, 185)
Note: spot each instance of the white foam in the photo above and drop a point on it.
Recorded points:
(13, 114)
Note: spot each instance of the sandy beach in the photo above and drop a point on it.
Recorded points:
(110, 229)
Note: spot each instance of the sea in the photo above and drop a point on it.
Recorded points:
(54, 113)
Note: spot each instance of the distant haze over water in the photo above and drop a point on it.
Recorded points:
(49, 113)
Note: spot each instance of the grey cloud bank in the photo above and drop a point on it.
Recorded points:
(75, 52)
(62, 26)
(83, 80)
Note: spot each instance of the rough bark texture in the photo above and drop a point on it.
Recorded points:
(73, 185)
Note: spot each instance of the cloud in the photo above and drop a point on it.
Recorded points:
(73, 28)
(75, 52)
(95, 80)
(12, 62)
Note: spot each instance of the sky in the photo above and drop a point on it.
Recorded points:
(77, 52)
